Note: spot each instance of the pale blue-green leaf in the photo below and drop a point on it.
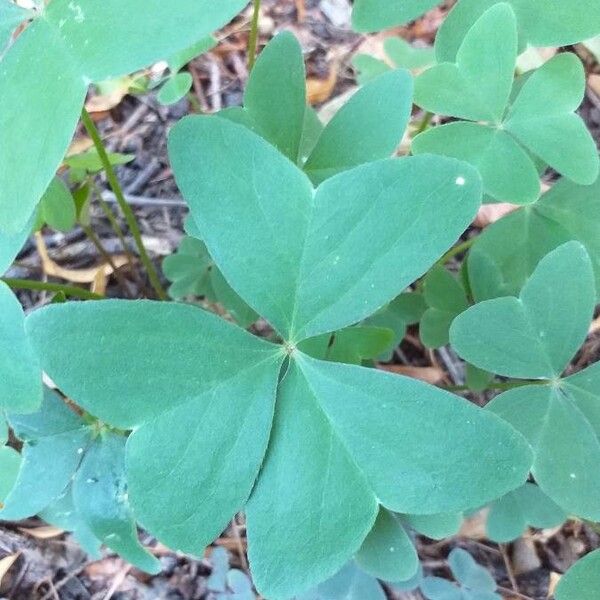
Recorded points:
(437, 526)
(373, 15)
(10, 462)
(100, 498)
(581, 581)
(11, 15)
(470, 574)
(311, 507)
(20, 373)
(365, 129)
(10, 246)
(535, 335)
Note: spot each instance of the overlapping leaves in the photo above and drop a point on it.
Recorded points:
(76, 477)
(535, 336)
(501, 132)
(363, 130)
(216, 425)
(70, 44)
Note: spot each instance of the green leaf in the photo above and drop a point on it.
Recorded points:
(54, 442)
(20, 373)
(57, 207)
(388, 552)
(437, 526)
(373, 15)
(11, 15)
(418, 486)
(195, 359)
(582, 580)
(543, 115)
(183, 57)
(477, 87)
(535, 335)
(90, 160)
(175, 88)
(407, 56)
(477, 379)
(52, 63)
(368, 67)
(468, 573)
(100, 497)
(10, 246)
(446, 298)
(351, 345)
(322, 508)
(507, 171)
(275, 97)
(10, 461)
(365, 128)
(282, 240)
(541, 23)
(526, 506)
(351, 583)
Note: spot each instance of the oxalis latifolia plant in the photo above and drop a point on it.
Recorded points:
(172, 418)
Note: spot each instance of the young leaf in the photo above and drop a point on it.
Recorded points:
(20, 373)
(477, 86)
(446, 298)
(468, 573)
(373, 15)
(582, 580)
(275, 97)
(292, 237)
(323, 507)
(541, 23)
(52, 62)
(539, 123)
(526, 506)
(90, 161)
(175, 88)
(388, 553)
(100, 496)
(548, 323)
(57, 207)
(365, 128)
(54, 442)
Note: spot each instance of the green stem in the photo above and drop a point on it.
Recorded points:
(43, 286)
(253, 37)
(456, 250)
(115, 186)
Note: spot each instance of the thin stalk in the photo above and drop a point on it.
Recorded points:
(456, 250)
(115, 186)
(116, 228)
(253, 37)
(44, 286)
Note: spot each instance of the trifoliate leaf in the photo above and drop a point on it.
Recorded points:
(20, 373)
(544, 113)
(581, 581)
(561, 423)
(526, 506)
(388, 553)
(541, 23)
(373, 15)
(52, 63)
(477, 86)
(293, 239)
(548, 322)
(175, 88)
(445, 298)
(507, 171)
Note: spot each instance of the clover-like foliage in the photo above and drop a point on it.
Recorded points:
(535, 336)
(223, 420)
(582, 580)
(505, 123)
